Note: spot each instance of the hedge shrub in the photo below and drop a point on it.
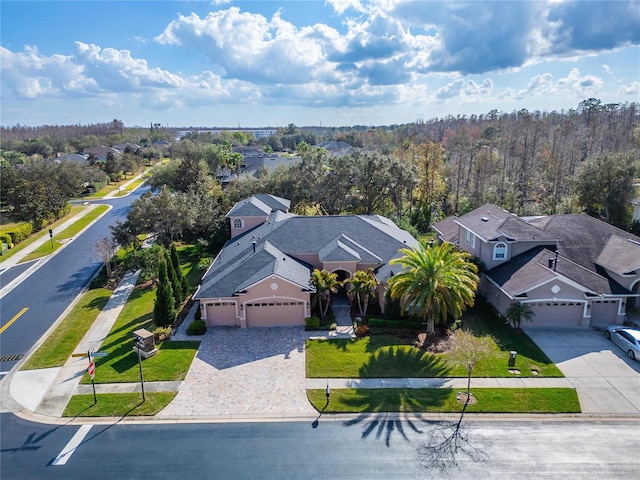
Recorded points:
(386, 323)
(197, 327)
(312, 323)
(19, 232)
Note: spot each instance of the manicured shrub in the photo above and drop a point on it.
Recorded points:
(6, 238)
(385, 323)
(312, 323)
(197, 327)
(164, 311)
(162, 333)
(19, 232)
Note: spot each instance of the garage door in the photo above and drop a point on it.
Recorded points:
(221, 314)
(604, 312)
(556, 314)
(275, 314)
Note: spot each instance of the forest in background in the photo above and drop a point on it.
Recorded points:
(530, 163)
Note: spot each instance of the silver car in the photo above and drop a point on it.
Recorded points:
(626, 338)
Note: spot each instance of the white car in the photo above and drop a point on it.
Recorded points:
(628, 339)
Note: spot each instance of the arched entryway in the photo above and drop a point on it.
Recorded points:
(340, 297)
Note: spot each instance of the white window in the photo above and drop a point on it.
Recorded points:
(471, 238)
(500, 251)
(237, 223)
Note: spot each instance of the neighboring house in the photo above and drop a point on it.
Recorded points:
(72, 157)
(123, 146)
(161, 144)
(101, 152)
(336, 149)
(573, 270)
(261, 276)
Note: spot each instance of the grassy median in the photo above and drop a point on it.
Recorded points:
(444, 400)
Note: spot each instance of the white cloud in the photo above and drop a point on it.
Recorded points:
(632, 88)
(341, 6)
(466, 88)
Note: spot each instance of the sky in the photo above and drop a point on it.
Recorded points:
(252, 64)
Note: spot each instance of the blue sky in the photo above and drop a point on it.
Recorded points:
(334, 62)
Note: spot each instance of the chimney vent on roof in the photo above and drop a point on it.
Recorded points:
(551, 262)
(254, 246)
(485, 219)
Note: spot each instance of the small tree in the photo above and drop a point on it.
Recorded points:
(325, 283)
(466, 349)
(364, 284)
(106, 248)
(517, 311)
(164, 312)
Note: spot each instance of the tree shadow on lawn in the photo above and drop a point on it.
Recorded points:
(404, 362)
(480, 320)
(140, 322)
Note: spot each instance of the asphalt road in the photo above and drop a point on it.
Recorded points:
(371, 448)
(46, 293)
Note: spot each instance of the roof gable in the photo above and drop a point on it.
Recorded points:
(620, 255)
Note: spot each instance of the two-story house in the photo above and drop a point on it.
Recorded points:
(573, 270)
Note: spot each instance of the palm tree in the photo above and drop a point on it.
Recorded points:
(325, 283)
(437, 281)
(517, 311)
(364, 284)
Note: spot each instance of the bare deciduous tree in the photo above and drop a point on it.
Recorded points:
(106, 248)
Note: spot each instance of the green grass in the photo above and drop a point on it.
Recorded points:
(59, 346)
(121, 363)
(384, 356)
(189, 258)
(50, 247)
(118, 404)
(490, 400)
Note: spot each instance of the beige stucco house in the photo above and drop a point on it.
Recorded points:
(261, 276)
(573, 270)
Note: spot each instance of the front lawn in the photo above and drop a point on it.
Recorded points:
(384, 356)
(118, 404)
(489, 400)
(121, 363)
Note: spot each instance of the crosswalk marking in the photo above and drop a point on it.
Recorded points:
(70, 447)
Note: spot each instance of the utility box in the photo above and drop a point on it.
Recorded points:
(144, 342)
(512, 358)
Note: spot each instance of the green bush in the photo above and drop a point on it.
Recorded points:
(384, 323)
(197, 327)
(312, 323)
(162, 333)
(19, 232)
(6, 238)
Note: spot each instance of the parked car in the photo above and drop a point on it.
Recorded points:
(628, 339)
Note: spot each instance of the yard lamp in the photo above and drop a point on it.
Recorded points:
(327, 392)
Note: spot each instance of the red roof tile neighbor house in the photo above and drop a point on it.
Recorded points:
(261, 276)
(573, 270)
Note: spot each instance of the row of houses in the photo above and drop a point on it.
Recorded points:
(101, 153)
(573, 270)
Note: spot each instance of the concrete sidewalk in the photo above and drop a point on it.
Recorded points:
(47, 392)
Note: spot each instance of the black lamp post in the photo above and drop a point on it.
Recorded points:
(327, 392)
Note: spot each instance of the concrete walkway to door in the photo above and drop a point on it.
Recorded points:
(607, 381)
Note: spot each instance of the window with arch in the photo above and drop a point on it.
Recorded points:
(500, 251)
(237, 223)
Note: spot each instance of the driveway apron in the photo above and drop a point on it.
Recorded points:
(607, 381)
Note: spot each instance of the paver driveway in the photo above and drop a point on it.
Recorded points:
(252, 371)
(606, 380)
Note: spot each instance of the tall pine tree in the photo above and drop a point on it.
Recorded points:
(182, 280)
(164, 311)
(176, 287)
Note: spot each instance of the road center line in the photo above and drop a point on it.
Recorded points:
(15, 317)
(70, 447)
